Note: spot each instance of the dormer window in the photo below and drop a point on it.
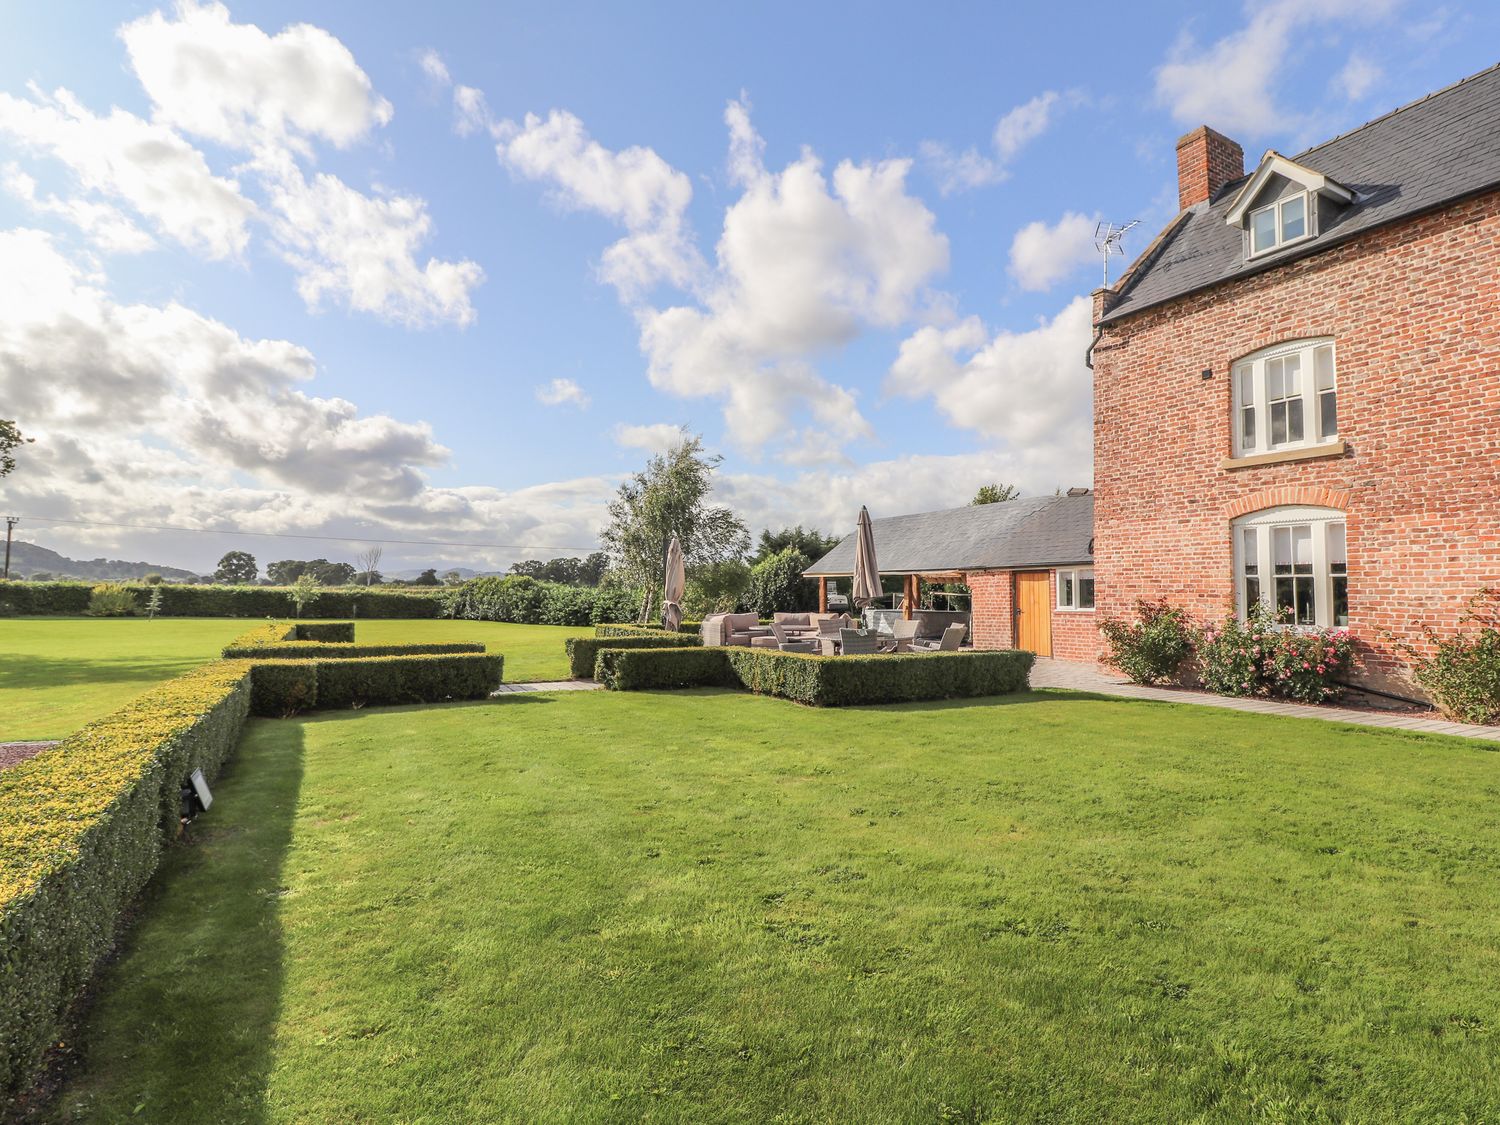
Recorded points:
(1278, 224)
(1278, 204)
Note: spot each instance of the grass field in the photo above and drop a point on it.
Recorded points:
(57, 673)
(715, 907)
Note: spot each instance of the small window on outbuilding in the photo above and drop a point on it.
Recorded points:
(1075, 589)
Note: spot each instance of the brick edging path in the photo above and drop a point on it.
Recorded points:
(1076, 676)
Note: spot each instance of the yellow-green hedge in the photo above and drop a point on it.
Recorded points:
(330, 641)
(81, 830)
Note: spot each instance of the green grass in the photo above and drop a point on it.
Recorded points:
(57, 673)
(715, 907)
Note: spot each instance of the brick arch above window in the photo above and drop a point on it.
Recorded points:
(1309, 496)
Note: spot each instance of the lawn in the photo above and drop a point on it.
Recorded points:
(57, 673)
(716, 907)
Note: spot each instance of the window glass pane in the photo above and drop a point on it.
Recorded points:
(1252, 592)
(1085, 591)
(1247, 427)
(1328, 414)
(1281, 549)
(1278, 423)
(1323, 365)
(1274, 385)
(1302, 549)
(1294, 419)
(1246, 377)
(1291, 368)
(1337, 548)
(1250, 552)
(1065, 587)
(1263, 229)
(1294, 218)
(1340, 600)
(1283, 598)
(1306, 615)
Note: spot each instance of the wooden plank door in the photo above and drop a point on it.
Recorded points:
(1034, 611)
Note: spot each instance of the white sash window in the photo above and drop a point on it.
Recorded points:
(1295, 561)
(1285, 397)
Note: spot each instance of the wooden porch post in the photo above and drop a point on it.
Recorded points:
(822, 595)
(911, 596)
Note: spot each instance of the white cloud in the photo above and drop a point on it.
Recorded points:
(143, 164)
(1029, 391)
(634, 187)
(362, 250)
(562, 392)
(106, 226)
(657, 437)
(1358, 77)
(157, 414)
(1024, 124)
(434, 67)
(1231, 84)
(1042, 255)
(960, 171)
(233, 83)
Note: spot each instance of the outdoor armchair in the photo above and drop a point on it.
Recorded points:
(902, 635)
(953, 637)
(855, 643)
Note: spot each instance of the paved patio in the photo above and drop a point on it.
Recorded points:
(546, 685)
(1077, 676)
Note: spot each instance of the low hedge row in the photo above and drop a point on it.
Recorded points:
(583, 652)
(819, 681)
(285, 687)
(295, 641)
(527, 601)
(225, 601)
(647, 669)
(81, 831)
(619, 630)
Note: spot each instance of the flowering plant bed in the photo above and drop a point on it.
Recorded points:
(1265, 656)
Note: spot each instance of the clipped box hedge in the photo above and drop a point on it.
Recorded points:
(820, 681)
(285, 687)
(647, 669)
(225, 601)
(296, 641)
(583, 652)
(81, 831)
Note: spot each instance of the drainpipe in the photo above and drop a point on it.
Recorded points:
(1088, 356)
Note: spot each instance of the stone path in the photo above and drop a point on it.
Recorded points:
(1077, 676)
(546, 685)
(14, 753)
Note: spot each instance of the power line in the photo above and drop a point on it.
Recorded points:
(297, 535)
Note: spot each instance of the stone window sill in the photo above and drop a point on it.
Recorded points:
(1307, 453)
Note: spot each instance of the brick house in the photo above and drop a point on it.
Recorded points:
(1028, 565)
(1297, 385)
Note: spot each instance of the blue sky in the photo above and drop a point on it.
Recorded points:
(320, 273)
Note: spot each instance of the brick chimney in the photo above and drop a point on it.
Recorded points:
(1206, 161)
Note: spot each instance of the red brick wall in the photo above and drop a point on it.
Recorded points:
(1413, 312)
(1074, 633)
(1206, 161)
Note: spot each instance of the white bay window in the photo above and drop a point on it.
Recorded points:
(1285, 397)
(1295, 561)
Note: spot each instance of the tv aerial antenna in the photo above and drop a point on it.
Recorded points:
(1107, 237)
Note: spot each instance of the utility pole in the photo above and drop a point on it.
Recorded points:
(10, 523)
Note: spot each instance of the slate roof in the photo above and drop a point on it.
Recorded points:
(1434, 151)
(1040, 532)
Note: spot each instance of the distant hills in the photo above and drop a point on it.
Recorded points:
(27, 559)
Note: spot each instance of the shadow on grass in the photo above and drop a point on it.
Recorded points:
(183, 1027)
(28, 670)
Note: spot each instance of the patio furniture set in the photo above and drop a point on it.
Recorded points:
(829, 634)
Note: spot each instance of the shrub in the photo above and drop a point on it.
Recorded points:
(777, 585)
(847, 681)
(304, 589)
(526, 601)
(1153, 647)
(627, 630)
(84, 825)
(329, 632)
(179, 600)
(1262, 656)
(111, 599)
(583, 651)
(820, 681)
(45, 597)
(284, 687)
(645, 669)
(1462, 672)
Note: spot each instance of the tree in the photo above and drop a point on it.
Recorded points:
(237, 567)
(811, 543)
(452, 578)
(11, 439)
(571, 571)
(777, 585)
(302, 591)
(331, 573)
(285, 572)
(427, 578)
(995, 494)
(716, 588)
(152, 579)
(670, 497)
(369, 559)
